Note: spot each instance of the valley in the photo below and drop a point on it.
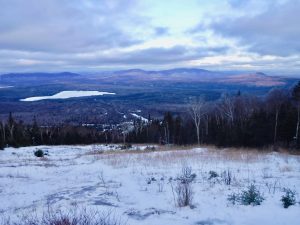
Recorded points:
(153, 92)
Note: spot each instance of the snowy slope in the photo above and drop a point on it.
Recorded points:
(137, 184)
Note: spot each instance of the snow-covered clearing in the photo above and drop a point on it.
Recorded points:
(137, 184)
(67, 94)
(139, 117)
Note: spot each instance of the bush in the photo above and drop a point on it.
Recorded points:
(184, 189)
(212, 174)
(126, 146)
(150, 148)
(39, 153)
(252, 196)
(233, 198)
(288, 198)
(227, 177)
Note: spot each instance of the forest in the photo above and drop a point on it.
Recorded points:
(238, 120)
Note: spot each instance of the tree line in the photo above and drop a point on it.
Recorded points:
(238, 120)
(17, 134)
(234, 120)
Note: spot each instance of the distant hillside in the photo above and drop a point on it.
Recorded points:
(36, 78)
(256, 79)
(135, 76)
(191, 75)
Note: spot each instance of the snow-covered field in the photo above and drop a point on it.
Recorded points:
(138, 184)
(66, 95)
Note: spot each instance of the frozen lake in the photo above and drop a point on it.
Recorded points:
(67, 94)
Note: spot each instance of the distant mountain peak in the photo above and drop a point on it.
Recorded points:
(40, 74)
(261, 74)
(190, 70)
(136, 70)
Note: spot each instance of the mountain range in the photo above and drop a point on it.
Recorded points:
(139, 75)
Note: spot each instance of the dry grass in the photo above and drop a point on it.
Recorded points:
(166, 155)
(72, 216)
(285, 169)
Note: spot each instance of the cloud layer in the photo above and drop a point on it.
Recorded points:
(91, 35)
(275, 31)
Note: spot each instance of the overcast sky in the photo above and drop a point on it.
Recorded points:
(94, 35)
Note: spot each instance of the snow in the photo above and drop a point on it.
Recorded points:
(67, 94)
(103, 177)
(139, 117)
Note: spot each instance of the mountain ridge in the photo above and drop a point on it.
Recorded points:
(139, 75)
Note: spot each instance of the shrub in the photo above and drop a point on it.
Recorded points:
(39, 153)
(233, 198)
(160, 186)
(252, 196)
(150, 148)
(227, 177)
(126, 146)
(288, 198)
(186, 175)
(212, 174)
(184, 191)
(184, 194)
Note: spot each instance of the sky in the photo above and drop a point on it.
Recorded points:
(96, 35)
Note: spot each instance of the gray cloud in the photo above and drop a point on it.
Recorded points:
(42, 35)
(151, 56)
(67, 26)
(275, 31)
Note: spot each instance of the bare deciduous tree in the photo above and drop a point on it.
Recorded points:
(126, 129)
(197, 111)
(275, 99)
(226, 107)
(296, 98)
